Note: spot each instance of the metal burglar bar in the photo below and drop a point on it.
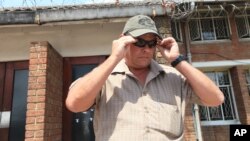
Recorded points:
(243, 24)
(225, 113)
(209, 26)
(176, 32)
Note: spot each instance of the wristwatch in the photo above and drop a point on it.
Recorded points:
(178, 60)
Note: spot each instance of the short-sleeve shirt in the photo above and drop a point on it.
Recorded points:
(125, 110)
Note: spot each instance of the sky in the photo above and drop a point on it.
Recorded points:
(34, 3)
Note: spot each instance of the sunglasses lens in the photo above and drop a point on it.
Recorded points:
(140, 43)
(152, 43)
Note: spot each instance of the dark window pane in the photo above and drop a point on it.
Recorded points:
(223, 78)
(242, 29)
(227, 106)
(194, 30)
(203, 113)
(207, 29)
(215, 113)
(81, 70)
(221, 28)
(226, 111)
(18, 115)
(175, 29)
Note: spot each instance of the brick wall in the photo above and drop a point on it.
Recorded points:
(231, 49)
(241, 93)
(227, 50)
(44, 108)
(215, 133)
(221, 133)
(189, 129)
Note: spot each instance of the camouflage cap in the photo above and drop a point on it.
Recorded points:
(139, 25)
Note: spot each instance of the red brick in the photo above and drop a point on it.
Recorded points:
(30, 120)
(29, 134)
(34, 127)
(41, 79)
(39, 133)
(46, 71)
(34, 113)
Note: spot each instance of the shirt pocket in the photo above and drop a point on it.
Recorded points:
(170, 120)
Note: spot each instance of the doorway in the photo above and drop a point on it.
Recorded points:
(78, 126)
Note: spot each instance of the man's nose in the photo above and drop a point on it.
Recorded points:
(147, 48)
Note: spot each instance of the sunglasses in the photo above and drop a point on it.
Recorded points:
(141, 43)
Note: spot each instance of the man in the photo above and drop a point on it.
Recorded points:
(135, 98)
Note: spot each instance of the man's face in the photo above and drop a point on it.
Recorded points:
(139, 54)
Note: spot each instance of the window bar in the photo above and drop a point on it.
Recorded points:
(218, 84)
(222, 112)
(231, 105)
(208, 113)
(176, 30)
(247, 24)
(229, 27)
(233, 98)
(199, 24)
(207, 108)
(180, 31)
(214, 28)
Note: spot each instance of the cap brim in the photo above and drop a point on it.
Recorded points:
(139, 32)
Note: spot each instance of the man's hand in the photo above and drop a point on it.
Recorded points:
(119, 46)
(169, 49)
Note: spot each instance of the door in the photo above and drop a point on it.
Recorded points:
(13, 100)
(78, 126)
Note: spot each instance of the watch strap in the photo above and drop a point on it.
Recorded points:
(178, 60)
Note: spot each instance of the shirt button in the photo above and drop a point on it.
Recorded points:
(147, 129)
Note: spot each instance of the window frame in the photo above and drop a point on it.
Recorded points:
(197, 17)
(246, 18)
(235, 119)
(178, 31)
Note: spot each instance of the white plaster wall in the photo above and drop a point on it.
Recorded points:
(68, 39)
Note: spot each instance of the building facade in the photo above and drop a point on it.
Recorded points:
(43, 50)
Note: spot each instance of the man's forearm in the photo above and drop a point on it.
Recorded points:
(82, 94)
(203, 87)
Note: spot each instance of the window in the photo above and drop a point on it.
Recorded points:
(176, 30)
(225, 113)
(248, 81)
(209, 25)
(243, 24)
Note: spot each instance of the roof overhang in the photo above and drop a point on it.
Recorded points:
(43, 15)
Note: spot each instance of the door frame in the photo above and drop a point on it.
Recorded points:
(67, 80)
(7, 72)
